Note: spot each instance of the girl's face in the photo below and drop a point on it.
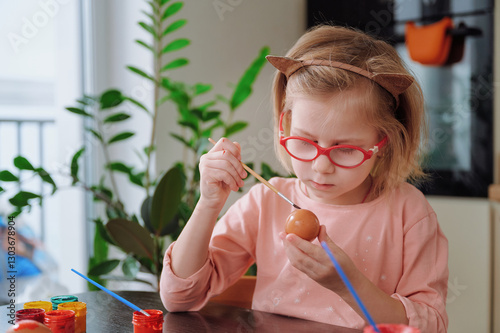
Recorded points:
(331, 120)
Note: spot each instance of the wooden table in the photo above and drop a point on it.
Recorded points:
(107, 315)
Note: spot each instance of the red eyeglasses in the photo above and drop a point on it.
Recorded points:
(344, 156)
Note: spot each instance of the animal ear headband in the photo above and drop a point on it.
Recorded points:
(395, 84)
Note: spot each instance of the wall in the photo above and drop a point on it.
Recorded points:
(496, 207)
(224, 43)
(466, 224)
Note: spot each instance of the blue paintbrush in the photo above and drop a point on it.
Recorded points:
(349, 286)
(121, 299)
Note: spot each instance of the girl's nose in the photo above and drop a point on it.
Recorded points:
(323, 165)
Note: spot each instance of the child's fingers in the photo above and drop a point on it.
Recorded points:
(230, 149)
(227, 161)
(225, 144)
(217, 167)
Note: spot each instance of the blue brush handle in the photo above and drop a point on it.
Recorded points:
(123, 300)
(349, 286)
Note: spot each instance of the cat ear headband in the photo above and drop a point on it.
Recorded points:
(395, 84)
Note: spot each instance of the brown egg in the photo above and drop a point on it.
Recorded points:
(303, 223)
(28, 326)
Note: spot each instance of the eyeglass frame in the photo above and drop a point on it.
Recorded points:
(326, 151)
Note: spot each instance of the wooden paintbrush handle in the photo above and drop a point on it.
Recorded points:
(262, 180)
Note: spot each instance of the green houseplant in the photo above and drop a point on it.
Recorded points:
(169, 198)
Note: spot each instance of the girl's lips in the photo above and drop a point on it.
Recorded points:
(322, 187)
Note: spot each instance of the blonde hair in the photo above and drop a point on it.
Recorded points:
(404, 126)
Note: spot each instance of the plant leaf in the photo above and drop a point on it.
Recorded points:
(7, 176)
(95, 133)
(146, 213)
(22, 198)
(141, 73)
(111, 98)
(211, 115)
(174, 26)
(116, 118)
(119, 166)
(136, 178)
(235, 127)
(175, 64)
(74, 165)
(162, 2)
(22, 163)
(149, 47)
(176, 45)
(79, 111)
(136, 102)
(166, 200)
(45, 176)
(207, 105)
(103, 234)
(148, 28)
(201, 88)
(192, 124)
(130, 267)
(120, 137)
(181, 139)
(152, 18)
(244, 87)
(171, 10)
(131, 237)
(104, 267)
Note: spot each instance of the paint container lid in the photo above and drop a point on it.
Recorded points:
(46, 305)
(80, 308)
(56, 300)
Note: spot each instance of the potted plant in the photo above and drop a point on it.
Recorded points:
(169, 197)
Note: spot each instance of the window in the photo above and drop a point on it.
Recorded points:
(40, 74)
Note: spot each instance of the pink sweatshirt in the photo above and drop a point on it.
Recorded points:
(394, 240)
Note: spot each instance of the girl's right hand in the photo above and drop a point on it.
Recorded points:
(220, 173)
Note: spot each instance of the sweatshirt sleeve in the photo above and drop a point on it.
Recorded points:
(231, 252)
(423, 286)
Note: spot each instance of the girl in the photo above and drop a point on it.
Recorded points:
(348, 121)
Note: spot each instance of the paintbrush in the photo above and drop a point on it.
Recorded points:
(118, 297)
(262, 180)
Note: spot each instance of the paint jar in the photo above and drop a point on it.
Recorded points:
(80, 309)
(60, 321)
(47, 306)
(33, 314)
(145, 324)
(56, 300)
(392, 328)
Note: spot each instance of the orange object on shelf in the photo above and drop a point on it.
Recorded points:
(429, 44)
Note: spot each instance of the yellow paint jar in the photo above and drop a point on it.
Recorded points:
(80, 309)
(47, 306)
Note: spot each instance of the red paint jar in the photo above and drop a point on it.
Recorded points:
(60, 321)
(33, 314)
(145, 324)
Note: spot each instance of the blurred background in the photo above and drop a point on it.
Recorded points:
(55, 52)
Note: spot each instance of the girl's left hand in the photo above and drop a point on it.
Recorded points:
(313, 260)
